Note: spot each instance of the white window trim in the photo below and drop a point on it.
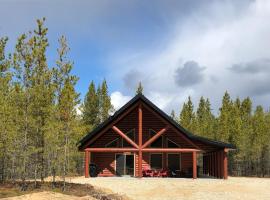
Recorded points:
(161, 159)
(133, 129)
(106, 145)
(157, 138)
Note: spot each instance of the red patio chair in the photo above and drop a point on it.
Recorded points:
(156, 173)
(164, 173)
(147, 172)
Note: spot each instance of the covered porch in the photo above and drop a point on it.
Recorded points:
(213, 164)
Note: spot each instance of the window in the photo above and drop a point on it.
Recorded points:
(131, 135)
(156, 161)
(113, 143)
(174, 161)
(171, 144)
(158, 142)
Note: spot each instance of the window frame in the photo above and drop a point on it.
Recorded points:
(180, 160)
(116, 139)
(156, 139)
(150, 159)
(172, 142)
(134, 134)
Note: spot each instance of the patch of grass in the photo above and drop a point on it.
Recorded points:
(18, 188)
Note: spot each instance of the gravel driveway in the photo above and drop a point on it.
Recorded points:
(188, 189)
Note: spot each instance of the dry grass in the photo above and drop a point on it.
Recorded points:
(46, 190)
(188, 189)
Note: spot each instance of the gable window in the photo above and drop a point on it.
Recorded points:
(171, 144)
(158, 142)
(113, 143)
(156, 161)
(131, 135)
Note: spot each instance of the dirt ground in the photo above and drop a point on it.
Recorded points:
(46, 190)
(178, 189)
(167, 189)
(48, 196)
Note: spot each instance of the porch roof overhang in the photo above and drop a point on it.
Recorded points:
(153, 150)
(140, 97)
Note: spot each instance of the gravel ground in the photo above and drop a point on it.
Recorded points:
(178, 189)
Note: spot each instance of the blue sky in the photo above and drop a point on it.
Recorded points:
(176, 48)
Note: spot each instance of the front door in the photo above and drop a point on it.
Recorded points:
(124, 164)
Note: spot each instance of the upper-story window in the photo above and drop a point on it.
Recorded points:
(171, 144)
(113, 143)
(158, 142)
(131, 135)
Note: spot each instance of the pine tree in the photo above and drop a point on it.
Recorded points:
(67, 103)
(42, 94)
(90, 108)
(66, 100)
(187, 115)
(258, 140)
(105, 106)
(6, 111)
(245, 147)
(139, 88)
(23, 62)
(205, 119)
(223, 132)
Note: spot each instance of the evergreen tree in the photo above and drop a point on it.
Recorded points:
(66, 100)
(23, 62)
(259, 142)
(105, 106)
(187, 115)
(6, 111)
(90, 108)
(139, 88)
(205, 119)
(42, 94)
(223, 132)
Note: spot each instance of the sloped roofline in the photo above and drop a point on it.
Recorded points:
(141, 97)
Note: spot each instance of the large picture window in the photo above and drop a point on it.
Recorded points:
(158, 142)
(156, 161)
(174, 161)
(131, 135)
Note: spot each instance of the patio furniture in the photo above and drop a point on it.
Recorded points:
(147, 172)
(164, 173)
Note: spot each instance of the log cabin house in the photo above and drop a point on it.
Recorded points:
(141, 140)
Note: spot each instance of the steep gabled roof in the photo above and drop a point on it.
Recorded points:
(141, 97)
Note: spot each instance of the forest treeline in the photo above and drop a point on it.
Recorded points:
(40, 124)
(238, 123)
(39, 121)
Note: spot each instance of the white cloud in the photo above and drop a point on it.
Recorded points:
(118, 99)
(217, 37)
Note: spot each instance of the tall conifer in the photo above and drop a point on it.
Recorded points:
(187, 115)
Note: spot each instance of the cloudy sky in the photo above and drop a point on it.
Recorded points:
(176, 48)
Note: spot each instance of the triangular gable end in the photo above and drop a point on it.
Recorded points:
(131, 105)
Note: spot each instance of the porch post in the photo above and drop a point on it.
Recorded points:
(225, 164)
(140, 143)
(194, 156)
(86, 164)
